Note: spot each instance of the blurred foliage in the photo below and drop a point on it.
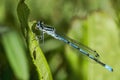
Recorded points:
(92, 22)
(16, 54)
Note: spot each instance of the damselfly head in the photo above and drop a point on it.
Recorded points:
(39, 25)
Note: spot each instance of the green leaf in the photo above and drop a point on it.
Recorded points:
(23, 13)
(38, 58)
(16, 55)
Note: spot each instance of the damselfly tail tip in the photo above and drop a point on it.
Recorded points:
(109, 68)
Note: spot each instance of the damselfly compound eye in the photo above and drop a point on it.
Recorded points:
(38, 24)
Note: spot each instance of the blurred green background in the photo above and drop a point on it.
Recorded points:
(95, 23)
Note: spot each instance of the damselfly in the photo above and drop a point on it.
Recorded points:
(81, 48)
